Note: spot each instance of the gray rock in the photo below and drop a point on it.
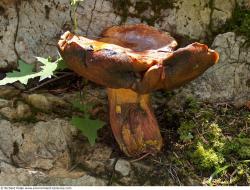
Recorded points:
(8, 92)
(8, 113)
(11, 176)
(36, 146)
(227, 81)
(39, 101)
(123, 167)
(8, 25)
(85, 180)
(3, 103)
(198, 14)
(46, 102)
(222, 11)
(6, 145)
(22, 111)
(94, 158)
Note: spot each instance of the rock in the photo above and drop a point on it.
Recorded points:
(94, 158)
(46, 102)
(85, 180)
(227, 81)
(222, 11)
(8, 113)
(123, 167)
(40, 25)
(244, 3)
(97, 16)
(183, 19)
(198, 14)
(3, 103)
(8, 25)
(23, 111)
(37, 145)
(6, 145)
(11, 176)
(39, 101)
(8, 92)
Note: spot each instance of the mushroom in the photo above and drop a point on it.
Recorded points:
(132, 61)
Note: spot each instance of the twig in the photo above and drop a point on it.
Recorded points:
(140, 158)
(49, 81)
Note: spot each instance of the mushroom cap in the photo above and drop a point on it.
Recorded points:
(120, 57)
(139, 38)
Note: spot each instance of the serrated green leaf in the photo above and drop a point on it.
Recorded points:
(48, 68)
(23, 75)
(82, 107)
(60, 64)
(88, 127)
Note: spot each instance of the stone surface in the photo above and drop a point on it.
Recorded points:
(94, 158)
(123, 167)
(37, 146)
(4, 103)
(8, 26)
(11, 176)
(45, 102)
(229, 80)
(19, 112)
(185, 16)
(8, 92)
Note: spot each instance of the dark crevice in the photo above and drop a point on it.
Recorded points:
(2, 10)
(47, 11)
(91, 18)
(17, 6)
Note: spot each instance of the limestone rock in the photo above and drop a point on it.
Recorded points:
(20, 112)
(94, 16)
(222, 11)
(8, 92)
(193, 18)
(8, 26)
(37, 146)
(95, 157)
(23, 110)
(45, 102)
(123, 167)
(3, 103)
(85, 180)
(228, 81)
(11, 176)
(40, 25)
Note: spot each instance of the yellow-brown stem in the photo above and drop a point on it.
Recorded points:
(133, 122)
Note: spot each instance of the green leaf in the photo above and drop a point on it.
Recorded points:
(23, 75)
(60, 64)
(83, 107)
(88, 127)
(26, 71)
(48, 68)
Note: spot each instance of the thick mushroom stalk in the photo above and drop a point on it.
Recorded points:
(133, 61)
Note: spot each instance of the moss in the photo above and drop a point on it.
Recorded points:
(122, 8)
(239, 23)
(206, 158)
(185, 131)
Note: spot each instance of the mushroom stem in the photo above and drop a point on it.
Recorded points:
(133, 122)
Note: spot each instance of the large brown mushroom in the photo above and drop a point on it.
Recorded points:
(132, 61)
